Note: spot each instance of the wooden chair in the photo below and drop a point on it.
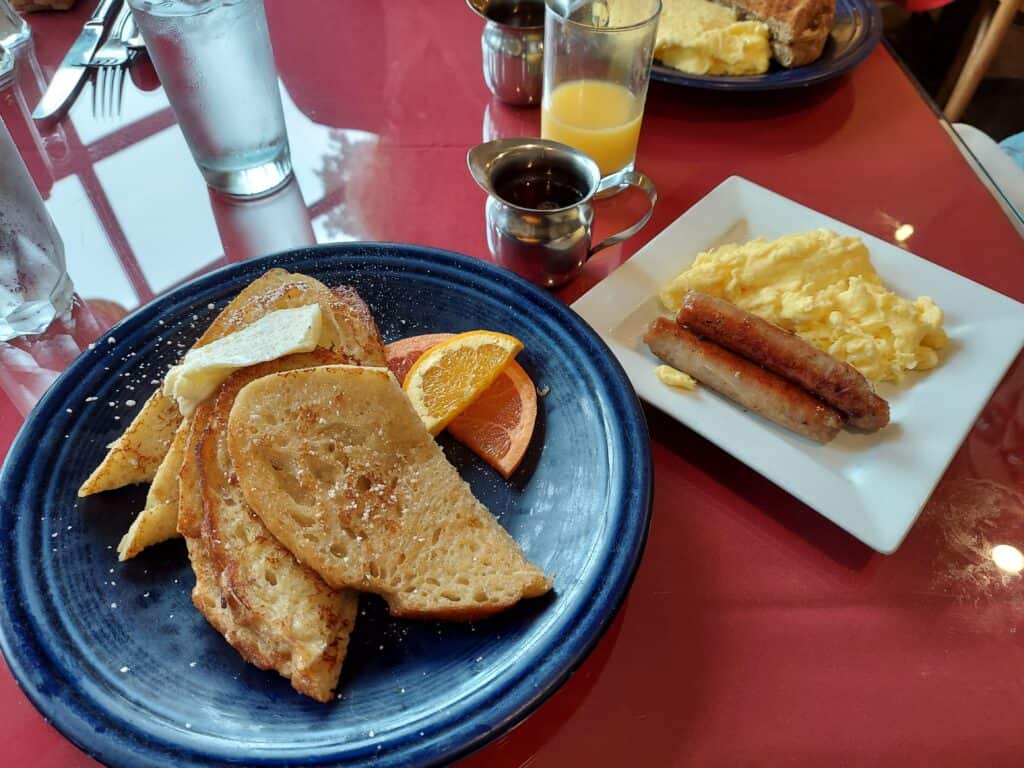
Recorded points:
(991, 23)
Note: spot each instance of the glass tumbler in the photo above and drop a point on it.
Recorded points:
(597, 64)
(217, 67)
(34, 285)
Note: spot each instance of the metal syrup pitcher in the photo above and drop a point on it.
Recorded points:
(540, 206)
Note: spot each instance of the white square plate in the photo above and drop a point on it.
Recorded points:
(873, 486)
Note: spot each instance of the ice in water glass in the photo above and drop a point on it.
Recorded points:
(217, 67)
(597, 65)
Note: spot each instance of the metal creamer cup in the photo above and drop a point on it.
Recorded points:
(512, 47)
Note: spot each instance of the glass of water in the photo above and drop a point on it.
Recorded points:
(216, 65)
(34, 286)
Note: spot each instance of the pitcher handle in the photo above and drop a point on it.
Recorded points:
(633, 179)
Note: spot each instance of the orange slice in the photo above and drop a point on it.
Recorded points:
(498, 425)
(451, 375)
(403, 353)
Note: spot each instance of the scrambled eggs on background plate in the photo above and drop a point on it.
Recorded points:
(703, 38)
(823, 287)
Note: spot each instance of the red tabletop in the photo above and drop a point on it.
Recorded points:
(756, 633)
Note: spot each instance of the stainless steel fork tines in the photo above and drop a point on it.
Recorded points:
(111, 63)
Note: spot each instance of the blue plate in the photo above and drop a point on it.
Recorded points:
(856, 32)
(116, 657)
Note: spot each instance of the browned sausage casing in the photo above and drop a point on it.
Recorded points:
(742, 381)
(840, 385)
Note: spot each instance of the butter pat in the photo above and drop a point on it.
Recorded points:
(703, 38)
(823, 287)
(675, 378)
(276, 334)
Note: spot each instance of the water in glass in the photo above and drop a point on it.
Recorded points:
(215, 62)
(34, 285)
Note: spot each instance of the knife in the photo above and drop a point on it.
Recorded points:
(70, 75)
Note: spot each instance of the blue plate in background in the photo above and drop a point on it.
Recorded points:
(856, 32)
(116, 657)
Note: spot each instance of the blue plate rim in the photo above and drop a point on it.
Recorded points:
(799, 77)
(527, 690)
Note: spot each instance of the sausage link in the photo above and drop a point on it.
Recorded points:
(840, 385)
(743, 382)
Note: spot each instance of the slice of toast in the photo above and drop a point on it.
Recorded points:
(349, 327)
(316, 675)
(342, 471)
(799, 28)
(135, 457)
(157, 521)
(276, 612)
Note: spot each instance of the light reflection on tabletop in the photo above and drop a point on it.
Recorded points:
(1008, 558)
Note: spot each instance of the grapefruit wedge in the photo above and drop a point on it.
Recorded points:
(498, 424)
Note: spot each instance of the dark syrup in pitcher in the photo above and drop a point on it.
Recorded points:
(541, 189)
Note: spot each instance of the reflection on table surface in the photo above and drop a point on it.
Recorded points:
(756, 632)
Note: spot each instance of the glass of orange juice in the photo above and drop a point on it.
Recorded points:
(597, 64)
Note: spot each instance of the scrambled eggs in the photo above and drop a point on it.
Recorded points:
(823, 287)
(703, 38)
(675, 378)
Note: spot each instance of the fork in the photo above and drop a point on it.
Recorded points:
(110, 63)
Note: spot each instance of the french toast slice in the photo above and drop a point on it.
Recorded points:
(158, 519)
(799, 29)
(341, 470)
(348, 327)
(274, 611)
(135, 457)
